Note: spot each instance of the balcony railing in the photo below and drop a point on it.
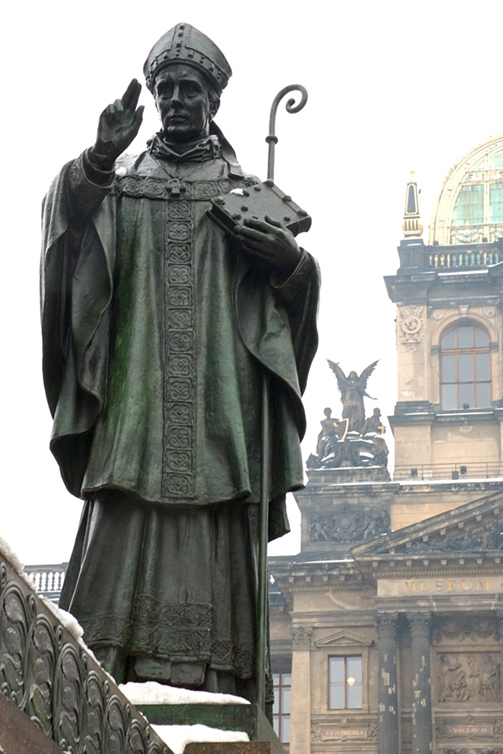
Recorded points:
(481, 470)
(457, 259)
(47, 579)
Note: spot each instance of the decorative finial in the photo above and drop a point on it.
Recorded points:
(412, 225)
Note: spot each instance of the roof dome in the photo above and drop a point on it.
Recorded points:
(469, 206)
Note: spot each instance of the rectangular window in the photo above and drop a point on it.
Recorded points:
(483, 395)
(282, 680)
(466, 396)
(483, 367)
(465, 367)
(449, 397)
(496, 202)
(345, 682)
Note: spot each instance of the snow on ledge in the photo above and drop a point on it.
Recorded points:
(67, 620)
(15, 561)
(151, 692)
(178, 736)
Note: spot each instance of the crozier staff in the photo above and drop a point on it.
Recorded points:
(158, 329)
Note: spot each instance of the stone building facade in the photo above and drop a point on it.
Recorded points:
(387, 627)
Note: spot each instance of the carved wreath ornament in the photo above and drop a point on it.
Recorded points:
(410, 326)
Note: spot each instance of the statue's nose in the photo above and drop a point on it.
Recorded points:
(176, 96)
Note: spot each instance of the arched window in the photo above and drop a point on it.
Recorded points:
(465, 368)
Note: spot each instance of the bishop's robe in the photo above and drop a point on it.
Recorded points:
(158, 333)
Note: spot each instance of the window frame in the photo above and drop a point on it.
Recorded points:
(460, 380)
(283, 668)
(344, 658)
(341, 643)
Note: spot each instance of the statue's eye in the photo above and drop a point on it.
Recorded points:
(164, 90)
(191, 88)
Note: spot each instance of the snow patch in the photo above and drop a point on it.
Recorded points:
(152, 692)
(13, 558)
(67, 620)
(178, 736)
(15, 561)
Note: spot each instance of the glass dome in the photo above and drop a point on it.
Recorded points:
(469, 206)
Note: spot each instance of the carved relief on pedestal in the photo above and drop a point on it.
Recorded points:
(468, 677)
(348, 523)
(410, 326)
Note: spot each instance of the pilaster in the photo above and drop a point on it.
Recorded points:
(300, 720)
(387, 736)
(422, 726)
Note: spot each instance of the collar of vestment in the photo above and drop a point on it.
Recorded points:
(200, 151)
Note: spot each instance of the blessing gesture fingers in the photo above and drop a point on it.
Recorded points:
(271, 243)
(118, 125)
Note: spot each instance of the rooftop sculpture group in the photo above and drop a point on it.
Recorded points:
(353, 440)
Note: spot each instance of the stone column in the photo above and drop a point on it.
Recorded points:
(300, 708)
(422, 725)
(499, 624)
(387, 733)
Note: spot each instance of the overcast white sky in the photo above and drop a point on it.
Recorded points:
(393, 85)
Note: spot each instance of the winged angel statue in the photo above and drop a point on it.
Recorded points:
(353, 389)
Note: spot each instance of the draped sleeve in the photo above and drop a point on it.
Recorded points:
(76, 290)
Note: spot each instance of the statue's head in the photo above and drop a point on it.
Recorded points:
(353, 375)
(186, 72)
(327, 412)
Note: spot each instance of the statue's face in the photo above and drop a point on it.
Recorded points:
(182, 96)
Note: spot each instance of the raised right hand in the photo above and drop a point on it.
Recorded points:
(118, 125)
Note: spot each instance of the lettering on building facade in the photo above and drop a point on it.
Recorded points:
(440, 586)
(463, 750)
(469, 729)
(335, 732)
(428, 586)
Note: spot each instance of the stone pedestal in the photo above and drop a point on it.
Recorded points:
(19, 734)
(237, 747)
(244, 717)
(422, 726)
(387, 735)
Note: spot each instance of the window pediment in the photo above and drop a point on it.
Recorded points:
(343, 638)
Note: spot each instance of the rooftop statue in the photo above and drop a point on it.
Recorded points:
(373, 424)
(353, 389)
(159, 330)
(329, 428)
